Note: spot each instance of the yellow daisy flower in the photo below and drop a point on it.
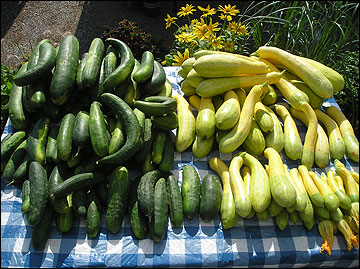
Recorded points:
(169, 20)
(207, 11)
(179, 58)
(201, 30)
(216, 42)
(229, 10)
(225, 17)
(185, 37)
(232, 26)
(229, 46)
(213, 27)
(188, 9)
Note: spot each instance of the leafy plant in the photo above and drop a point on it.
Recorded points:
(138, 40)
(7, 76)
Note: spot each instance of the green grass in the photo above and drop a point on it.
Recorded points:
(326, 31)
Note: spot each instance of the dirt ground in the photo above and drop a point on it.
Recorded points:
(24, 23)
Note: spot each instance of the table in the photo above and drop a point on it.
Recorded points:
(250, 243)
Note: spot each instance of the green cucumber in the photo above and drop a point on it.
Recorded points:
(132, 91)
(93, 220)
(64, 76)
(77, 182)
(51, 145)
(190, 191)
(9, 145)
(81, 134)
(131, 127)
(165, 90)
(79, 205)
(47, 60)
(38, 192)
(158, 146)
(166, 122)
(156, 105)
(119, 188)
(145, 192)
(147, 164)
(64, 222)
(25, 196)
(36, 142)
(158, 224)
(79, 73)
(58, 175)
(211, 194)
(125, 67)
(148, 137)
(154, 83)
(40, 232)
(93, 62)
(146, 68)
(97, 129)
(21, 173)
(64, 138)
(14, 162)
(137, 219)
(17, 112)
(141, 119)
(175, 201)
(117, 138)
(167, 159)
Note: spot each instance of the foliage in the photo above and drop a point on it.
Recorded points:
(205, 32)
(138, 40)
(7, 76)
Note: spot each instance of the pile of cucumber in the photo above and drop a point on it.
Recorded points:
(81, 124)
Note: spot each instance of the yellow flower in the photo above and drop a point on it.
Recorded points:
(212, 27)
(169, 20)
(232, 26)
(229, 46)
(237, 28)
(185, 37)
(207, 11)
(215, 42)
(225, 17)
(179, 58)
(188, 9)
(201, 30)
(185, 27)
(242, 30)
(194, 21)
(229, 10)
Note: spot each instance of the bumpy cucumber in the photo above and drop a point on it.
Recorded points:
(97, 130)
(190, 191)
(64, 138)
(36, 142)
(211, 193)
(175, 201)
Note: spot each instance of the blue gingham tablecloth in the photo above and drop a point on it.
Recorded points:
(250, 243)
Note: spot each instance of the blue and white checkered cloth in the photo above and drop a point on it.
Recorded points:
(250, 243)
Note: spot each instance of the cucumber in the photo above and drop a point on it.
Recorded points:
(117, 138)
(211, 194)
(175, 201)
(158, 146)
(97, 129)
(153, 84)
(165, 90)
(9, 145)
(77, 182)
(25, 196)
(158, 224)
(64, 76)
(64, 138)
(93, 220)
(147, 164)
(81, 133)
(166, 122)
(17, 113)
(47, 60)
(145, 192)
(21, 173)
(132, 91)
(79, 203)
(38, 192)
(125, 67)
(36, 142)
(167, 160)
(119, 188)
(14, 162)
(141, 119)
(51, 145)
(131, 127)
(79, 73)
(146, 68)
(137, 219)
(93, 62)
(156, 105)
(148, 137)
(64, 222)
(57, 176)
(190, 191)
(40, 232)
